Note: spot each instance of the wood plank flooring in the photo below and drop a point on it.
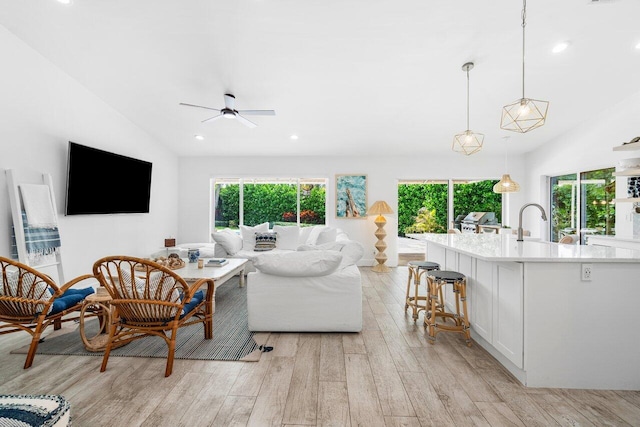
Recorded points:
(387, 375)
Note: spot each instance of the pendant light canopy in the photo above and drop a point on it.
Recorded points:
(525, 114)
(506, 184)
(467, 142)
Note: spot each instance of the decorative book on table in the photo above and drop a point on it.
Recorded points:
(216, 262)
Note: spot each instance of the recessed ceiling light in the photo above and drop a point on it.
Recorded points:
(560, 47)
(64, 1)
(294, 137)
(199, 137)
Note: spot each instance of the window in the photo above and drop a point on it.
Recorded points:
(251, 201)
(583, 207)
(431, 199)
(476, 196)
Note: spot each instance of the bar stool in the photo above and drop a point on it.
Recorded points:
(417, 269)
(436, 280)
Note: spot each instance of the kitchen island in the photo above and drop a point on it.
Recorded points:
(561, 316)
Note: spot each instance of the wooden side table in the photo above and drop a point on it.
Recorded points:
(99, 304)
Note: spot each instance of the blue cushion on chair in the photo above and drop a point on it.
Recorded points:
(197, 299)
(70, 298)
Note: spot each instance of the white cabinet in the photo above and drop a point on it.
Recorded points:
(480, 288)
(496, 298)
(508, 313)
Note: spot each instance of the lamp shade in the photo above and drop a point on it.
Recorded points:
(379, 208)
(506, 185)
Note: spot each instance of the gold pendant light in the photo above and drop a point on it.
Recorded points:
(467, 142)
(525, 114)
(506, 184)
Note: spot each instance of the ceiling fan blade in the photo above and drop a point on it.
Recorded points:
(229, 101)
(245, 122)
(210, 119)
(258, 112)
(199, 106)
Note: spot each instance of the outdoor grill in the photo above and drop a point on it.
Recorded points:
(470, 223)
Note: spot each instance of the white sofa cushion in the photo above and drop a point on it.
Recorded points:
(314, 234)
(304, 235)
(249, 234)
(288, 236)
(327, 235)
(229, 240)
(351, 250)
(298, 264)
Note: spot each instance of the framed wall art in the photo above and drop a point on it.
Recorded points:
(351, 196)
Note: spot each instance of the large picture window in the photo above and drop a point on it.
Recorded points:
(252, 201)
(423, 206)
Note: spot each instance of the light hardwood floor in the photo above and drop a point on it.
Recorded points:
(387, 375)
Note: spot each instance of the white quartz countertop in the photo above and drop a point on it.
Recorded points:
(614, 239)
(504, 247)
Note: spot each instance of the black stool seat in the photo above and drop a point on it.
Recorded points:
(447, 276)
(424, 265)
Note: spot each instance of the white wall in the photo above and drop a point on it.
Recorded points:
(382, 173)
(42, 109)
(588, 147)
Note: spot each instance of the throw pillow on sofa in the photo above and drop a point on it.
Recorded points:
(249, 235)
(299, 264)
(266, 241)
(229, 240)
(327, 235)
(315, 233)
(288, 236)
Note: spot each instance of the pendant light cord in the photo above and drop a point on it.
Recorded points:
(468, 99)
(524, 24)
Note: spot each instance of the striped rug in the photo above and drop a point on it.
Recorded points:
(231, 337)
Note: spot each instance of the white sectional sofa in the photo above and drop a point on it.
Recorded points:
(309, 282)
(231, 244)
(315, 289)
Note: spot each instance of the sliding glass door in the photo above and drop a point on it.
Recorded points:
(582, 207)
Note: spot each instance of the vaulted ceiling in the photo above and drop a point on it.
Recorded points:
(347, 77)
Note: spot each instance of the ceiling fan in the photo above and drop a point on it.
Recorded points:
(229, 112)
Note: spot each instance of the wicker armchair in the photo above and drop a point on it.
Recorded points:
(31, 301)
(151, 300)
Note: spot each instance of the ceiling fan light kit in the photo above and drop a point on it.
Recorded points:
(467, 142)
(524, 114)
(229, 112)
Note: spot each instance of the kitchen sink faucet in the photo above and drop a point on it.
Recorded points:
(544, 217)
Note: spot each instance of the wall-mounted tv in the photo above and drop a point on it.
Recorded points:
(100, 182)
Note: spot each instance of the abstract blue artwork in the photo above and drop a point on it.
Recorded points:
(351, 196)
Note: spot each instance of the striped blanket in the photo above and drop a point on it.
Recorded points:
(39, 241)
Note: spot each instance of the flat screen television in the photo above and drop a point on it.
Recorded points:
(100, 182)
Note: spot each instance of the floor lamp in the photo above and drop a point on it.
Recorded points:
(380, 208)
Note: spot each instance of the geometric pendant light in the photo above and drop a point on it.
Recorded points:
(525, 114)
(506, 184)
(467, 142)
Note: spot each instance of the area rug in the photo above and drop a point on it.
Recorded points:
(232, 339)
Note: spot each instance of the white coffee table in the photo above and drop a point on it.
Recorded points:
(220, 275)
